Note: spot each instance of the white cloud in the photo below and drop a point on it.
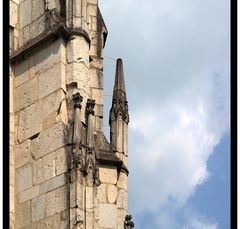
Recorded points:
(176, 58)
(197, 221)
(170, 144)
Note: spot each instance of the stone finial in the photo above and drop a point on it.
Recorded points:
(119, 102)
(128, 223)
(119, 77)
(77, 99)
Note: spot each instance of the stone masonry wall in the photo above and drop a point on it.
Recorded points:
(42, 84)
(40, 138)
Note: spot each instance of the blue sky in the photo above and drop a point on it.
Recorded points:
(176, 65)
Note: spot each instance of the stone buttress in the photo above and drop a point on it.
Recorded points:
(64, 174)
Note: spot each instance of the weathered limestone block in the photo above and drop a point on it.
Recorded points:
(37, 171)
(78, 72)
(97, 94)
(95, 51)
(108, 175)
(89, 197)
(49, 140)
(37, 26)
(122, 199)
(102, 193)
(99, 123)
(25, 13)
(22, 154)
(29, 122)
(98, 110)
(77, 10)
(122, 181)
(21, 72)
(78, 51)
(93, 1)
(97, 63)
(76, 218)
(15, 38)
(48, 166)
(24, 178)
(16, 1)
(50, 55)
(13, 10)
(111, 193)
(96, 79)
(24, 35)
(38, 208)
(90, 219)
(23, 214)
(94, 38)
(52, 184)
(56, 201)
(61, 161)
(107, 216)
(58, 221)
(37, 8)
(94, 23)
(53, 108)
(26, 94)
(79, 14)
(44, 168)
(28, 194)
(121, 214)
(52, 79)
(92, 9)
(51, 4)
(73, 195)
(62, 114)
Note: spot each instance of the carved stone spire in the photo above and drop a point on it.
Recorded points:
(119, 102)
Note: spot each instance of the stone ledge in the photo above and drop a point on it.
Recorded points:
(57, 30)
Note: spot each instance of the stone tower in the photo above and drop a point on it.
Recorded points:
(64, 174)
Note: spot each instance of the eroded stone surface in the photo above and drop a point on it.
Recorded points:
(24, 177)
(56, 201)
(111, 193)
(108, 216)
(49, 140)
(108, 175)
(26, 94)
(22, 154)
(29, 122)
(23, 216)
(38, 208)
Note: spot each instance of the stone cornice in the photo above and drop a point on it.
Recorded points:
(54, 32)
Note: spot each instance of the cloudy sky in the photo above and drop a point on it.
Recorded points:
(176, 64)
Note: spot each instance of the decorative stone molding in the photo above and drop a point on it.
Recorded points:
(90, 106)
(119, 107)
(77, 98)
